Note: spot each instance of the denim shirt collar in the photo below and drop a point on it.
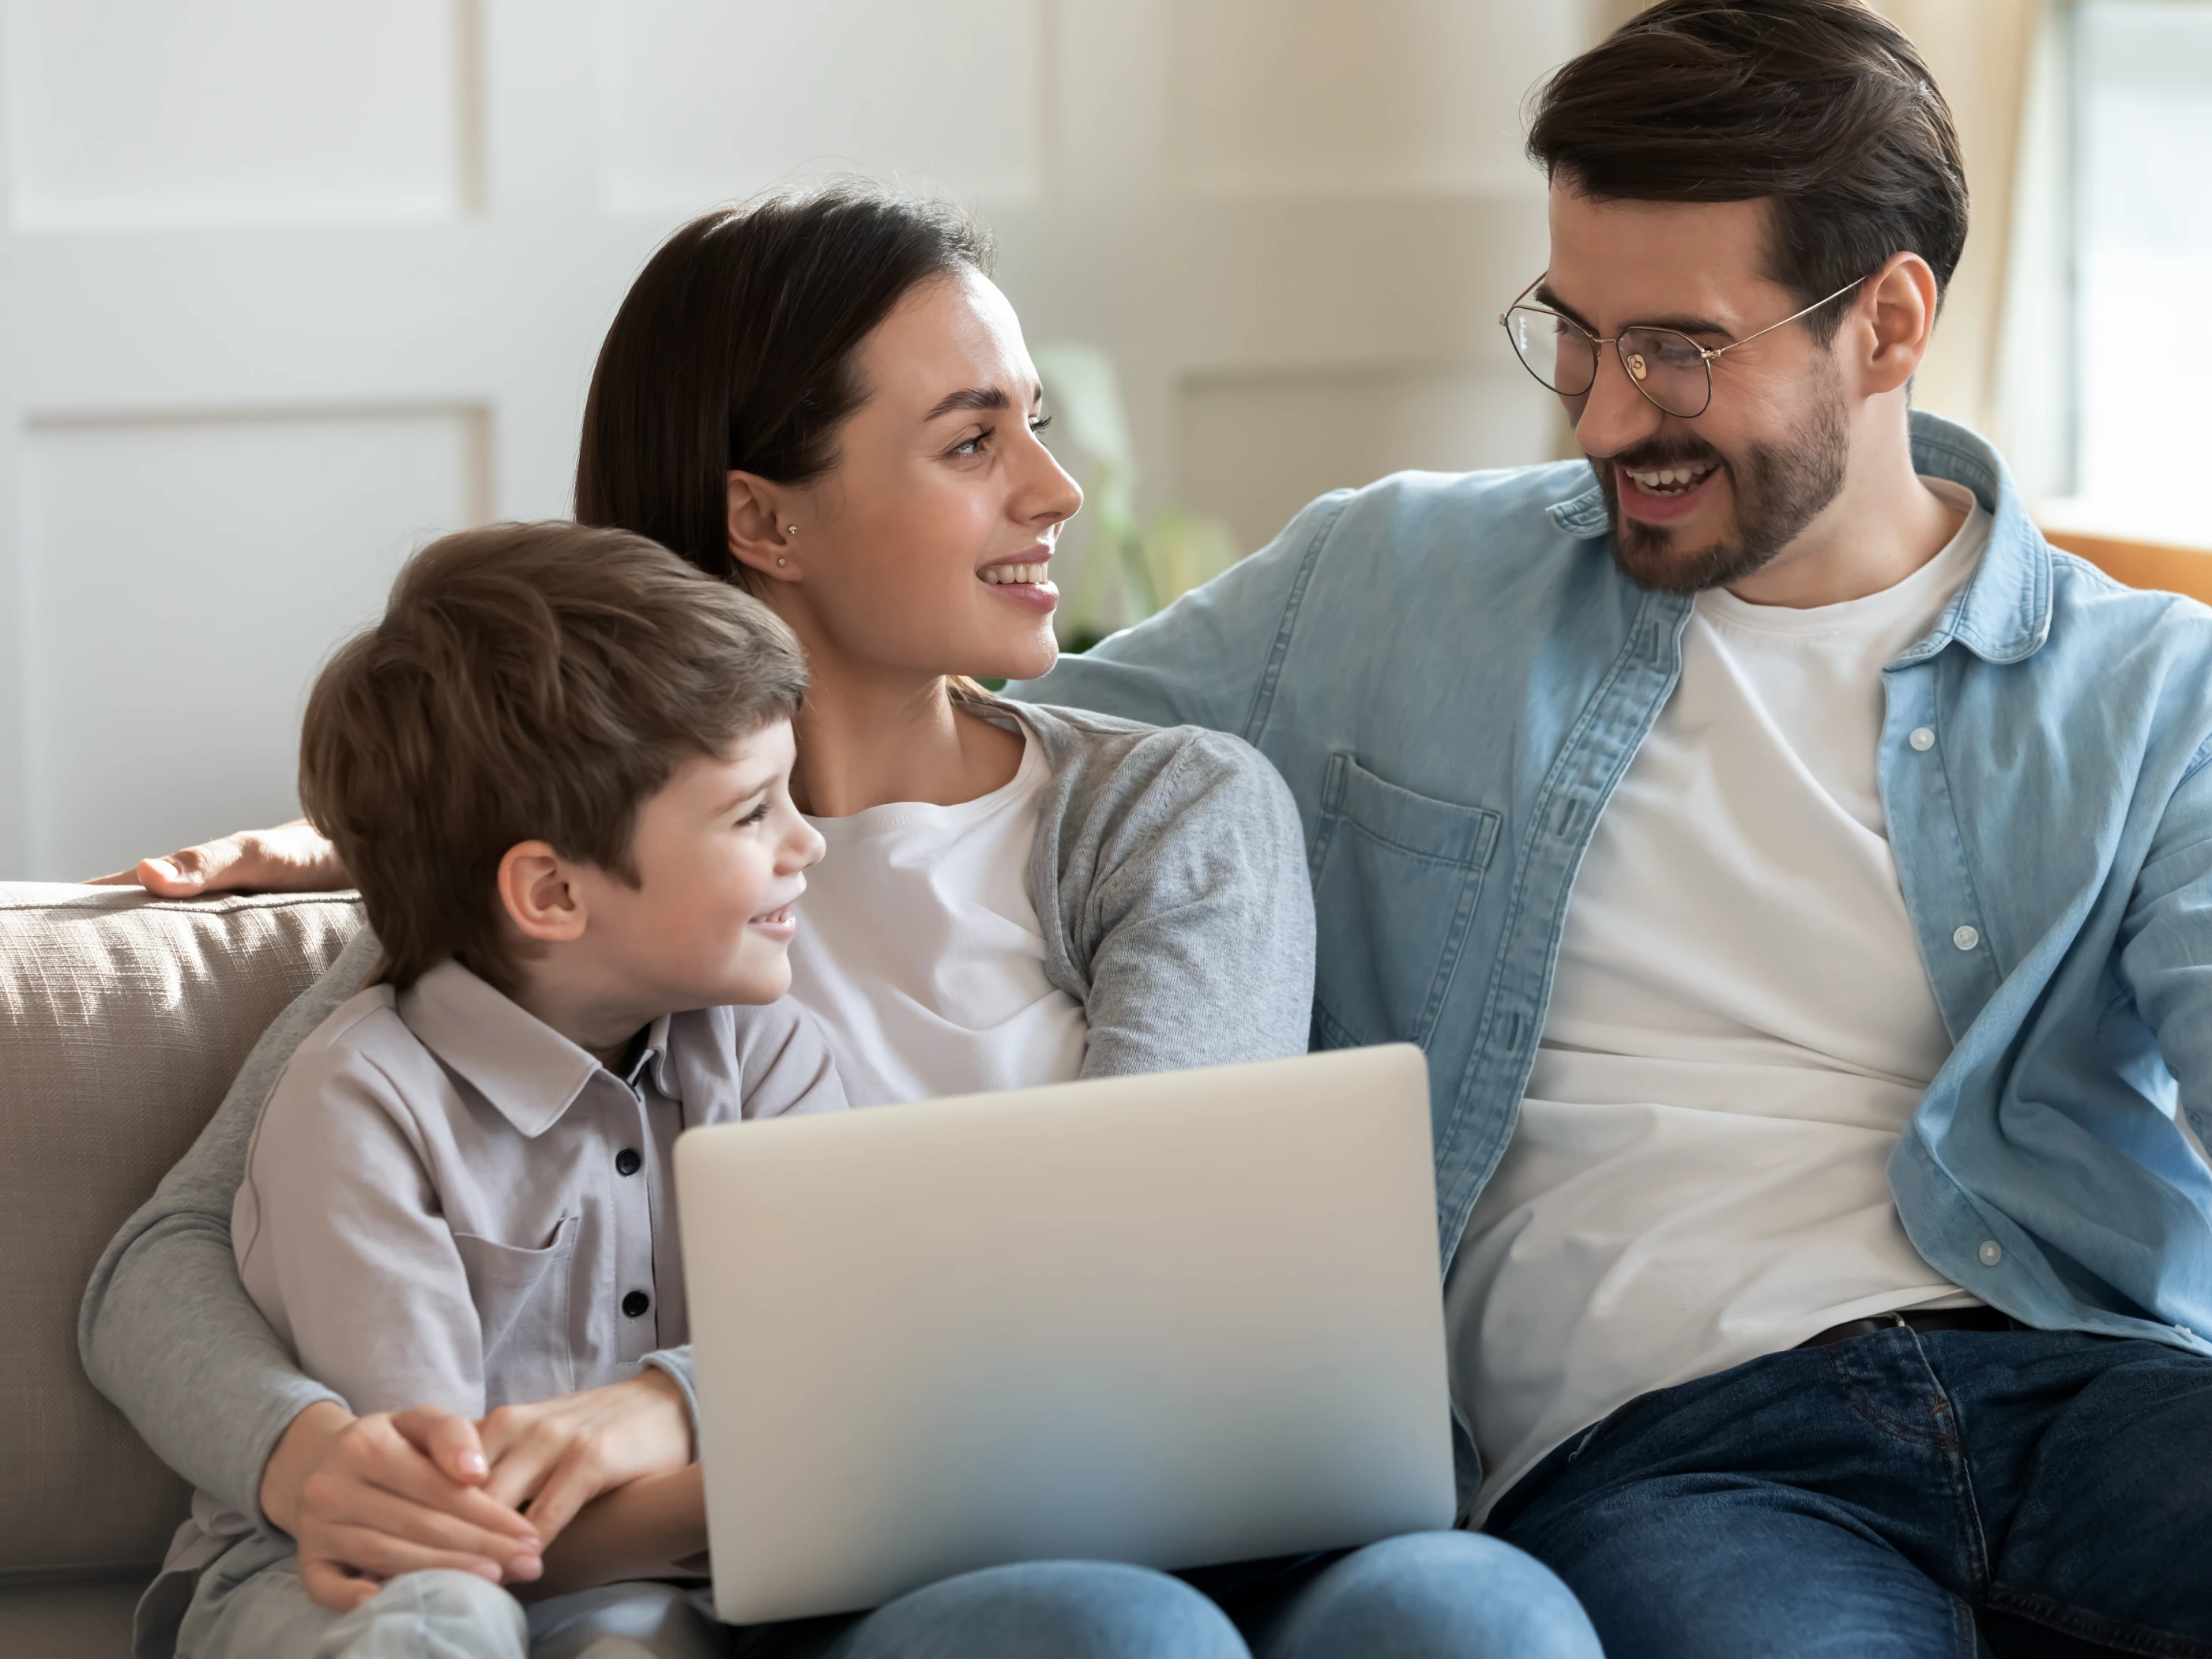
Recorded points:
(2003, 614)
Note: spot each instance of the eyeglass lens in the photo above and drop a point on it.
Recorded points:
(1666, 367)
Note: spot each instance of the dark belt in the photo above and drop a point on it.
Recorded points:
(1926, 1320)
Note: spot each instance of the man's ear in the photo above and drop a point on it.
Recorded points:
(539, 894)
(761, 536)
(1898, 306)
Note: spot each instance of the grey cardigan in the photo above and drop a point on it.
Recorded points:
(1168, 876)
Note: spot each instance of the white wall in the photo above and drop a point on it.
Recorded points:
(286, 288)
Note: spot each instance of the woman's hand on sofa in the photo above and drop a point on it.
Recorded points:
(292, 858)
(367, 1499)
(552, 1457)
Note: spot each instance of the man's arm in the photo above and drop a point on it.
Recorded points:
(1210, 658)
(2165, 952)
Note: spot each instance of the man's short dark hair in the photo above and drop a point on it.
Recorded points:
(529, 682)
(1822, 108)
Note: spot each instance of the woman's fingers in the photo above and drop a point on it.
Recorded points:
(377, 1459)
(359, 1560)
(329, 1586)
(417, 1525)
(291, 858)
(449, 1442)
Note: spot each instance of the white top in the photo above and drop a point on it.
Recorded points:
(919, 950)
(1739, 1031)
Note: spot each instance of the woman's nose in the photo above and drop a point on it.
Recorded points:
(1056, 495)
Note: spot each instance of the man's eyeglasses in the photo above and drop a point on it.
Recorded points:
(1673, 371)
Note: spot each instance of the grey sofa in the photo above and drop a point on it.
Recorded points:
(122, 1021)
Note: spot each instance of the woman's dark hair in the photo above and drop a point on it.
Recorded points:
(735, 348)
(1822, 108)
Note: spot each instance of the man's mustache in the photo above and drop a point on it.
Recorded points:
(1650, 457)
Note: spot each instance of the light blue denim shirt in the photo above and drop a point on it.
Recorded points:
(1452, 676)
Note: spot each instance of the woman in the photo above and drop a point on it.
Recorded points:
(823, 397)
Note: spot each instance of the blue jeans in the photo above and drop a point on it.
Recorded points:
(1963, 1493)
(1429, 1595)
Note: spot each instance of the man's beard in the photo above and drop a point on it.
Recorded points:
(1777, 488)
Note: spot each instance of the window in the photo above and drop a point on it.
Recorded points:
(2140, 378)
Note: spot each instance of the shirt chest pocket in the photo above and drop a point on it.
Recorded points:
(1396, 876)
(524, 1307)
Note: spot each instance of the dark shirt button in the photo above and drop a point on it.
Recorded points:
(627, 1162)
(636, 1303)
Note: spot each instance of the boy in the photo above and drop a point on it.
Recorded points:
(559, 769)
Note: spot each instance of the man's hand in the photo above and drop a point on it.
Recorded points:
(554, 1457)
(292, 858)
(369, 1497)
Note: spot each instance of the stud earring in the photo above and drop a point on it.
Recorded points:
(794, 529)
(780, 563)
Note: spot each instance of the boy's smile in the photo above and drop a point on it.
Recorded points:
(719, 854)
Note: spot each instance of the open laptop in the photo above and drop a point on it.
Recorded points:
(1174, 1320)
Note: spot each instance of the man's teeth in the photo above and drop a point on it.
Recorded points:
(1667, 480)
(1000, 575)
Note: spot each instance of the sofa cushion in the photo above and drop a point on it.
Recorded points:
(123, 1019)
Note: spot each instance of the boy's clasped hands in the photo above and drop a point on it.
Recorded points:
(370, 1498)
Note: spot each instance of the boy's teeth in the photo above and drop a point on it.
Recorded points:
(999, 574)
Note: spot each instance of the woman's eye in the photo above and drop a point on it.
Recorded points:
(973, 446)
(1038, 422)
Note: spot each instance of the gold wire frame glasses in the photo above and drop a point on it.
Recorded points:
(1673, 371)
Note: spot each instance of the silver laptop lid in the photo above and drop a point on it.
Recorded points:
(1174, 1319)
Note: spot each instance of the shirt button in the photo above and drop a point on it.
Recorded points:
(1992, 1253)
(1922, 738)
(627, 1162)
(637, 1302)
(1966, 938)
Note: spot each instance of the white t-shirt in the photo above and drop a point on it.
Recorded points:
(1739, 1029)
(919, 953)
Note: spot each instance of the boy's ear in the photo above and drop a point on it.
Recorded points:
(537, 895)
(760, 536)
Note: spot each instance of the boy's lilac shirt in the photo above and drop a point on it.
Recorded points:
(449, 1203)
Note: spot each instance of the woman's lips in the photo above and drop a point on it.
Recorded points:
(1040, 597)
(1024, 582)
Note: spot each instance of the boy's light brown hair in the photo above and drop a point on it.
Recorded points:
(528, 682)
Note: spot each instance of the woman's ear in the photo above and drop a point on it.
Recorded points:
(761, 537)
(538, 895)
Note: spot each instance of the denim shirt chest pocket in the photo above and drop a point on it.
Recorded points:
(525, 1302)
(1396, 877)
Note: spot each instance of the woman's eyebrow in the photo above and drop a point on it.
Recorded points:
(973, 396)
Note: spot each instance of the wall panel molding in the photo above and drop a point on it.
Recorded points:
(181, 578)
(125, 115)
(703, 101)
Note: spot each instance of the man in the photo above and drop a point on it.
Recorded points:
(1800, 878)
